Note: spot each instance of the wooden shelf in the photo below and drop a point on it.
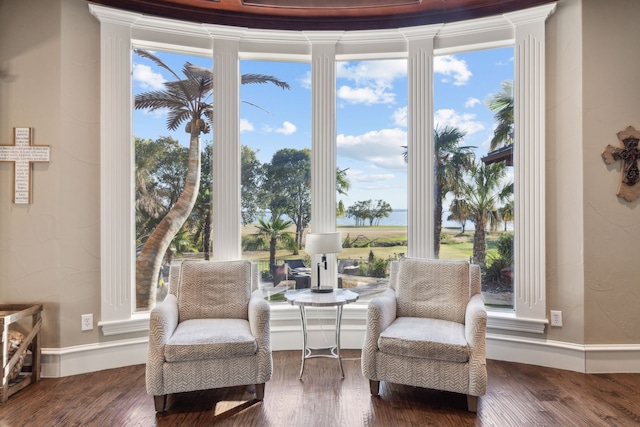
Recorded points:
(11, 313)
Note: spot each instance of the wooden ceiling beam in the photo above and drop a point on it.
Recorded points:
(314, 15)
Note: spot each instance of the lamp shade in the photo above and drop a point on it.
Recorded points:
(323, 243)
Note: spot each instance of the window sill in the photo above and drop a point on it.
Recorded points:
(137, 323)
(507, 321)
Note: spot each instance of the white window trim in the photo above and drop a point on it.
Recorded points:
(120, 30)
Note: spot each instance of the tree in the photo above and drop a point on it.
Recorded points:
(501, 103)
(252, 176)
(340, 209)
(274, 231)
(200, 218)
(289, 183)
(358, 212)
(161, 167)
(342, 186)
(189, 100)
(147, 202)
(506, 213)
(451, 162)
(342, 182)
(369, 210)
(482, 194)
(459, 213)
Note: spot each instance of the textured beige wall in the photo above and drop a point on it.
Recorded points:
(611, 92)
(50, 250)
(564, 201)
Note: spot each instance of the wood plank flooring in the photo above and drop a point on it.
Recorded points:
(517, 395)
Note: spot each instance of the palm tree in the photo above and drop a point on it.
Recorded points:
(452, 161)
(189, 100)
(483, 194)
(275, 231)
(459, 213)
(502, 104)
(506, 213)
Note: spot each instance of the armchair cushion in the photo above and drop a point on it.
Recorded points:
(198, 339)
(433, 288)
(425, 338)
(214, 290)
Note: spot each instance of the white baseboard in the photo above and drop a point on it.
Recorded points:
(62, 362)
(286, 335)
(589, 359)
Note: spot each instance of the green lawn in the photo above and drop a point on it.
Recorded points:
(386, 242)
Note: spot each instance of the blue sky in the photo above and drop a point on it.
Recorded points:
(371, 111)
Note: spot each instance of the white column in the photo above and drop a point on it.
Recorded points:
(323, 144)
(226, 148)
(420, 145)
(117, 234)
(529, 161)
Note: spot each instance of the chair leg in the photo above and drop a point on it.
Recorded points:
(160, 402)
(374, 386)
(260, 391)
(472, 403)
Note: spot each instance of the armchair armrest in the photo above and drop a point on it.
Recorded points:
(260, 319)
(260, 324)
(475, 322)
(163, 322)
(475, 330)
(380, 314)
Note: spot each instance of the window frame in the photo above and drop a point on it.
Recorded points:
(121, 30)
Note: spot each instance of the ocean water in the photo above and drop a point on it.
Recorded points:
(399, 218)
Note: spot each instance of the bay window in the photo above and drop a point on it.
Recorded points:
(120, 31)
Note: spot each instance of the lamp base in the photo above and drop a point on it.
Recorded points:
(322, 289)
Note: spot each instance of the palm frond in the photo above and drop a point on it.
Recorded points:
(146, 54)
(261, 79)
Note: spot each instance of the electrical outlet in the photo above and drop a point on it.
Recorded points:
(556, 318)
(87, 322)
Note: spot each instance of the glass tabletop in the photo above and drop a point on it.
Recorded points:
(307, 298)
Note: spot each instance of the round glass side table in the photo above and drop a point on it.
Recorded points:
(304, 298)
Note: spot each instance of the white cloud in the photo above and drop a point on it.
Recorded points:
(471, 102)
(287, 128)
(400, 117)
(147, 78)
(365, 95)
(465, 122)
(246, 126)
(372, 81)
(382, 149)
(363, 71)
(305, 81)
(451, 66)
(361, 176)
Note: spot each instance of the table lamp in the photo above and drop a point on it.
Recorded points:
(323, 243)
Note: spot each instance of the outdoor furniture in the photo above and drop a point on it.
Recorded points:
(428, 329)
(299, 272)
(279, 273)
(211, 331)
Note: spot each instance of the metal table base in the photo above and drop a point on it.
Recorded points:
(305, 298)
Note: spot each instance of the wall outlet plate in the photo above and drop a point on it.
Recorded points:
(556, 318)
(87, 322)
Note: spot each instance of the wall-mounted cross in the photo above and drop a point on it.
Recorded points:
(629, 155)
(22, 154)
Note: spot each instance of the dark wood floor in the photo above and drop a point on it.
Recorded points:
(517, 395)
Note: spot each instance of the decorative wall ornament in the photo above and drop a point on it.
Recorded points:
(22, 153)
(629, 154)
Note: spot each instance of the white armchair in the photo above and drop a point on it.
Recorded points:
(428, 329)
(211, 331)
